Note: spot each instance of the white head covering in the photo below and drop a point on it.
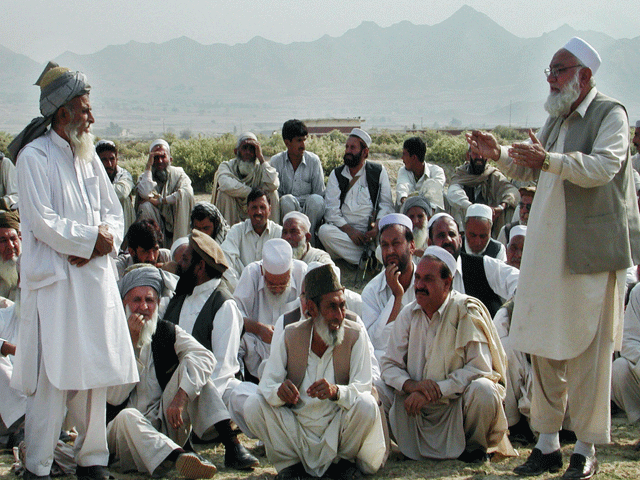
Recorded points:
(358, 132)
(245, 136)
(162, 142)
(395, 219)
(443, 255)
(585, 53)
(105, 142)
(277, 256)
(301, 217)
(479, 210)
(518, 230)
(437, 217)
(178, 243)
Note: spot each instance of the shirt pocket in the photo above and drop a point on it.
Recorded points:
(362, 195)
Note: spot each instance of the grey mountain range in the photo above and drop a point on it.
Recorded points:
(465, 71)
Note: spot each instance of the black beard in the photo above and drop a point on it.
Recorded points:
(160, 176)
(476, 168)
(352, 160)
(187, 281)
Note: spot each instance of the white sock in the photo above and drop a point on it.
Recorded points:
(585, 449)
(548, 442)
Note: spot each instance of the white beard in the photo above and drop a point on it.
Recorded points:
(81, 143)
(276, 303)
(9, 272)
(300, 250)
(559, 104)
(148, 329)
(246, 168)
(331, 338)
(420, 236)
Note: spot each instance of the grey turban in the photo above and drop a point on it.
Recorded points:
(417, 201)
(53, 95)
(143, 275)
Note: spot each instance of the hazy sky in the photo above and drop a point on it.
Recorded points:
(44, 29)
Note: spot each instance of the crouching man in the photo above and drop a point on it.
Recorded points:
(314, 410)
(445, 361)
(153, 418)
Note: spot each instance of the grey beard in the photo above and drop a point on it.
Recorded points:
(420, 236)
(300, 250)
(559, 104)
(246, 168)
(81, 144)
(148, 329)
(331, 338)
(9, 272)
(277, 302)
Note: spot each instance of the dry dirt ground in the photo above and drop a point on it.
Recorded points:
(618, 460)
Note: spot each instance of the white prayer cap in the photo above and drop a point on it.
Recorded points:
(443, 255)
(245, 136)
(105, 142)
(585, 53)
(479, 210)
(178, 243)
(313, 265)
(395, 219)
(162, 142)
(277, 256)
(437, 217)
(518, 230)
(364, 136)
(301, 217)
(638, 124)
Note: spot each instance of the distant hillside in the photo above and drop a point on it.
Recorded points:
(465, 71)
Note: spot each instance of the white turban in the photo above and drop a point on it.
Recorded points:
(585, 53)
(277, 256)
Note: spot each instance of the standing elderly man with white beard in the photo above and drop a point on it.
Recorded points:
(165, 193)
(73, 341)
(235, 179)
(10, 249)
(585, 207)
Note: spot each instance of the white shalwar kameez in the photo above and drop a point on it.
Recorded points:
(578, 313)
(73, 339)
(316, 432)
(13, 403)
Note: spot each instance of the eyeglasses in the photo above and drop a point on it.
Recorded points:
(524, 205)
(555, 71)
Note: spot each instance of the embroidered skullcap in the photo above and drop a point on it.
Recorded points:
(321, 280)
(479, 210)
(10, 219)
(395, 219)
(277, 256)
(141, 275)
(162, 142)
(313, 265)
(443, 255)
(245, 136)
(209, 250)
(361, 134)
(518, 230)
(301, 217)
(437, 217)
(177, 244)
(585, 53)
(417, 201)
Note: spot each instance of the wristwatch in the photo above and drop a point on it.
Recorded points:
(546, 164)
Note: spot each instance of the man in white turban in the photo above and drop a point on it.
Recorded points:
(583, 233)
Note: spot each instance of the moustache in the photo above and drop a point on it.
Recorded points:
(424, 291)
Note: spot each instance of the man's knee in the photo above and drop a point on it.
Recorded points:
(365, 410)
(482, 394)
(253, 408)
(288, 203)
(314, 205)
(127, 419)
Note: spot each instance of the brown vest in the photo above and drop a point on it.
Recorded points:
(297, 338)
(603, 225)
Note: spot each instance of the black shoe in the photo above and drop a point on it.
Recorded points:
(343, 470)
(581, 467)
(292, 472)
(539, 462)
(477, 455)
(521, 433)
(238, 457)
(94, 472)
(32, 476)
